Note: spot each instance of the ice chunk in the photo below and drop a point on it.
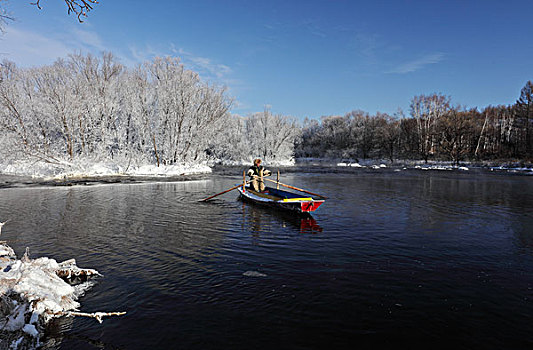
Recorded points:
(31, 330)
(254, 274)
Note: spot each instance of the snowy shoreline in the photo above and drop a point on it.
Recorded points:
(72, 172)
(416, 165)
(86, 171)
(68, 173)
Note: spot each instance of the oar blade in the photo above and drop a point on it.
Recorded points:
(218, 194)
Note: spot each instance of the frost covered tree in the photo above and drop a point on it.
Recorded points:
(94, 109)
(270, 136)
(140, 118)
(88, 109)
(98, 86)
(263, 134)
(231, 142)
(426, 110)
(309, 144)
(25, 131)
(5, 17)
(189, 111)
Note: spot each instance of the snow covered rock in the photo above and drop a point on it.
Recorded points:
(32, 292)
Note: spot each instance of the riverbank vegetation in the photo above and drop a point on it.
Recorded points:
(85, 110)
(435, 130)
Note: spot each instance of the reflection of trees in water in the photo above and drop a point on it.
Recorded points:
(262, 219)
(522, 232)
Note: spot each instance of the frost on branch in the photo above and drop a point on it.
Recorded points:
(33, 291)
(87, 110)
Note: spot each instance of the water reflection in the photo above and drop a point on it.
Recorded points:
(56, 330)
(59, 330)
(263, 219)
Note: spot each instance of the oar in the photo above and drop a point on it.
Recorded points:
(231, 189)
(297, 189)
(218, 194)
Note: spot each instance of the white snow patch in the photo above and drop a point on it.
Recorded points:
(512, 169)
(435, 167)
(100, 169)
(6, 251)
(354, 165)
(254, 274)
(16, 343)
(31, 330)
(170, 170)
(31, 289)
(265, 162)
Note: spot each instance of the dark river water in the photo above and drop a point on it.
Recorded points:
(412, 259)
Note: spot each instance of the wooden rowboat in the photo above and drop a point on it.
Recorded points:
(281, 199)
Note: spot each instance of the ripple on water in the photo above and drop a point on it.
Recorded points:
(385, 255)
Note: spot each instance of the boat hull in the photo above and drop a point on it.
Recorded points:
(281, 200)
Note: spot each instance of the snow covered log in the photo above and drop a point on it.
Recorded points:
(33, 291)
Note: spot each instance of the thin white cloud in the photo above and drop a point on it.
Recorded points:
(87, 38)
(314, 28)
(418, 63)
(367, 45)
(207, 68)
(28, 48)
(140, 55)
(204, 66)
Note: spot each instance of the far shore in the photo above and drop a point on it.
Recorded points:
(47, 174)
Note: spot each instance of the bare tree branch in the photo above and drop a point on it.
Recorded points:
(79, 7)
(97, 315)
(4, 18)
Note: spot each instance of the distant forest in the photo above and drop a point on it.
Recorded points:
(88, 109)
(435, 130)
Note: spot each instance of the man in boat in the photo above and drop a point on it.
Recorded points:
(256, 172)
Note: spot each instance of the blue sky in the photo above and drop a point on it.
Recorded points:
(302, 58)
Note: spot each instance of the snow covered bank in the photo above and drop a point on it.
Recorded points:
(266, 162)
(345, 162)
(413, 164)
(33, 291)
(80, 170)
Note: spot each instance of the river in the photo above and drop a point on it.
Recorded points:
(393, 258)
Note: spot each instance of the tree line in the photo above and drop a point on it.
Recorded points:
(88, 108)
(435, 130)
